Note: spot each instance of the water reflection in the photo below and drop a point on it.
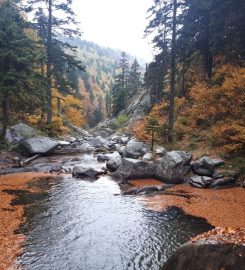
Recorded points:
(83, 225)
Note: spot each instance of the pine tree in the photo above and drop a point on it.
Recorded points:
(120, 88)
(134, 79)
(16, 58)
(53, 24)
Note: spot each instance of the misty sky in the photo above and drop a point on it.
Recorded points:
(116, 23)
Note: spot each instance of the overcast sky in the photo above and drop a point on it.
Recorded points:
(116, 23)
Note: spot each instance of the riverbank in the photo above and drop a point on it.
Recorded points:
(12, 216)
(221, 207)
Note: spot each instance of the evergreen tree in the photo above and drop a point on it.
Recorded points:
(164, 21)
(134, 79)
(120, 88)
(16, 58)
(53, 23)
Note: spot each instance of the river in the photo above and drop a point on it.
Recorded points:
(83, 225)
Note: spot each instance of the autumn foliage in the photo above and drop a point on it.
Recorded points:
(214, 113)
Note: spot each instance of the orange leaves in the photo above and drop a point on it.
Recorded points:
(215, 113)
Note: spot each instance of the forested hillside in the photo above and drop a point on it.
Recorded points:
(96, 83)
(197, 79)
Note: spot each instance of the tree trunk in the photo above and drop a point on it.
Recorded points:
(173, 74)
(5, 115)
(208, 58)
(49, 65)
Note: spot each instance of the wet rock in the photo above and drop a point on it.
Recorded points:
(114, 162)
(103, 157)
(226, 173)
(147, 157)
(86, 147)
(160, 151)
(142, 191)
(147, 190)
(86, 173)
(203, 257)
(38, 145)
(56, 168)
(174, 167)
(71, 139)
(134, 169)
(135, 149)
(201, 181)
(223, 182)
(64, 143)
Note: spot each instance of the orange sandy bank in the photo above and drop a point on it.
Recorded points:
(11, 217)
(221, 208)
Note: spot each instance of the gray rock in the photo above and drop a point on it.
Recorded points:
(147, 190)
(111, 144)
(147, 157)
(160, 151)
(120, 149)
(80, 131)
(86, 147)
(98, 142)
(218, 162)
(203, 166)
(103, 157)
(114, 162)
(135, 149)
(174, 167)
(56, 168)
(223, 182)
(207, 256)
(86, 173)
(38, 145)
(116, 138)
(18, 132)
(217, 175)
(64, 143)
(201, 181)
(134, 169)
(71, 139)
(125, 140)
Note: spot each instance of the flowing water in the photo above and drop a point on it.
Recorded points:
(90, 226)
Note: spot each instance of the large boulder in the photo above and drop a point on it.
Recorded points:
(134, 169)
(114, 162)
(174, 167)
(205, 166)
(86, 173)
(135, 149)
(38, 145)
(19, 132)
(207, 256)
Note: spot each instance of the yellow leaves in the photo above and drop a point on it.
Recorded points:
(75, 116)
